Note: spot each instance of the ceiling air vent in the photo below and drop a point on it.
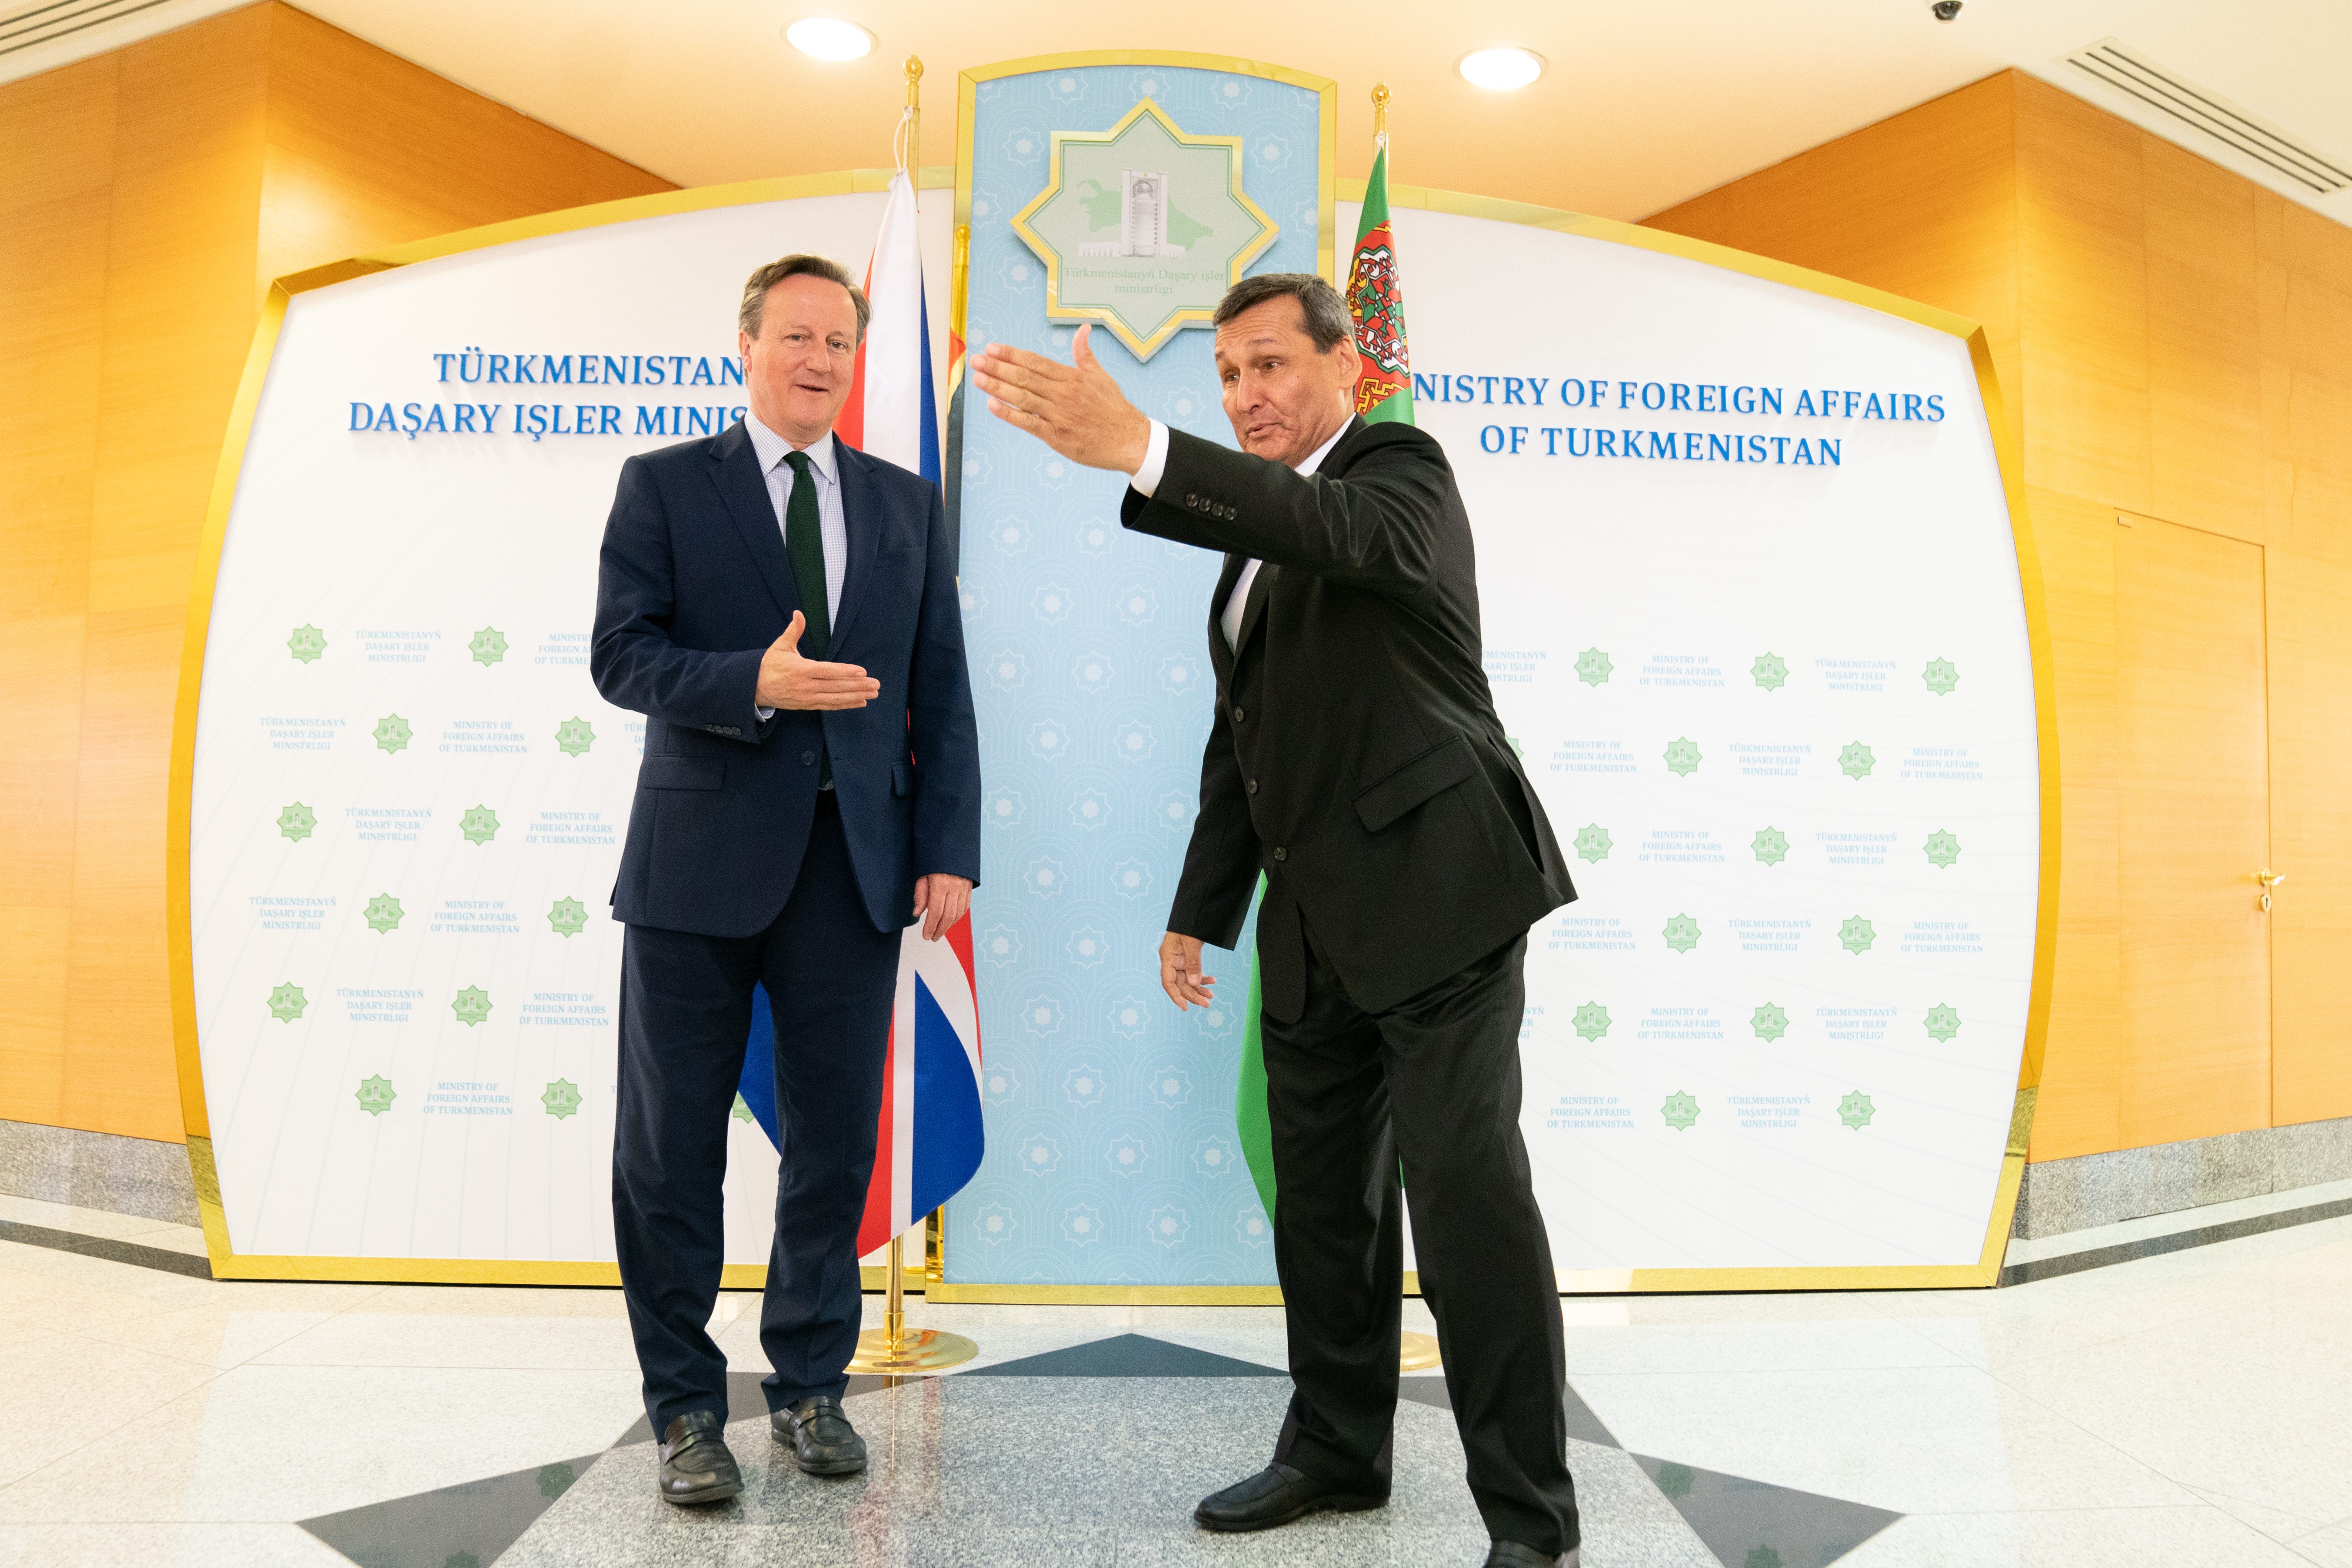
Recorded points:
(2160, 87)
(28, 25)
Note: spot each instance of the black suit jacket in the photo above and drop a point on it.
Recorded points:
(1355, 758)
(693, 588)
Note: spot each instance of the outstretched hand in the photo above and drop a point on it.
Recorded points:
(1076, 408)
(789, 681)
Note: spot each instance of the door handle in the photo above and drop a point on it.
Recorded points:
(2268, 880)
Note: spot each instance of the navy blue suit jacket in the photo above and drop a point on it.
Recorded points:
(692, 589)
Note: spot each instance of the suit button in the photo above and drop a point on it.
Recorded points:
(1280, 853)
(1253, 786)
(1191, 499)
(808, 759)
(1240, 715)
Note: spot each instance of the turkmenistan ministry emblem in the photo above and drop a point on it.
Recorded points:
(375, 1095)
(561, 1098)
(1593, 1020)
(472, 1006)
(1593, 843)
(567, 916)
(480, 825)
(1857, 935)
(488, 646)
(1682, 757)
(306, 644)
(1681, 1111)
(574, 736)
(1682, 934)
(286, 1002)
(1770, 670)
(1856, 760)
(1856, 1111)
(1943, 1022)
(297, 821)
(1592, 667)
(1942, 848)
(1941, 675)
(383, 913)
(1142, 227)
(392, 734)
(1771, 845)
(1771, 1021)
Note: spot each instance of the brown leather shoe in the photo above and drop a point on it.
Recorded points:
(823, 1441)
(696, 1467)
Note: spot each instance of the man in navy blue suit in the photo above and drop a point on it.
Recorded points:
(781, 608)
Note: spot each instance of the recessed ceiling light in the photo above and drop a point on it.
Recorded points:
(1501, 69)
(830, 38)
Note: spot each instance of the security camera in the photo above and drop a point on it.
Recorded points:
(1944, 10)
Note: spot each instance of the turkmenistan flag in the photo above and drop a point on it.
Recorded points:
(1383, 391)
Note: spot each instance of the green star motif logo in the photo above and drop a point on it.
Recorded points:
(1856, 760)
(392, 734)
(567, 916)
(1682, 757)
(384, 912)
(472, 1006)
(488, 646)
(1592, 667)
(1941, 675)
(1680, 1111)
(1856, 1111)
(1675, 1481)
(1762, 1557)
(561, 1098)
(375, 1096)
(1857, 935)
(1770, 670)
(479, 826)
(286, 1003)
(1593, 1020)
(574, 736)
(1682, 934)
(1942, 848)
(1593, 843)
(1771, 845)
(1142, 227)
(1943, 1022)
(306, 644)
(1771, 1021)
(296, 821)
(742, 1112)
(556, 1479)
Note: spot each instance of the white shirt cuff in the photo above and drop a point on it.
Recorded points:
(765, 713)
(1146, 478)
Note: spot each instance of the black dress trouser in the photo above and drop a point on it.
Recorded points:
(686, 1017)
(1434, 1080)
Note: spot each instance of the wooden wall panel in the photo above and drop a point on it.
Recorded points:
(2204, 345)
(2311, 835)
(146, 198)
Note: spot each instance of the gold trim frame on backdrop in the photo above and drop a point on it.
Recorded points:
(228, 1264)
(1176, 321)
(1986, 1270)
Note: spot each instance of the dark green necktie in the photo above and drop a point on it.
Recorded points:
(805, 548)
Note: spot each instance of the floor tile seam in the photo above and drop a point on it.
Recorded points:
(2111, 1445)
(101, 1435)
(215, 1367)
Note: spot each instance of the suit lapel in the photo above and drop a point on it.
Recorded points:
(1254, 607)
(858, 502)
(1221, 657)
(735, 470)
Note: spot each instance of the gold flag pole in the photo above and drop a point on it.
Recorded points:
(1415, 1352)
(890, 1350)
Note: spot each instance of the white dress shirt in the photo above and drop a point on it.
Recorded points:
(1155, 466)
(832, 530)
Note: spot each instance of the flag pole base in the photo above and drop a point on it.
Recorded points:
(927, 1350)
(1417, 1353)
(890, 1351)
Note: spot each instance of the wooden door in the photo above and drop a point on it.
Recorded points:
(2193, 815)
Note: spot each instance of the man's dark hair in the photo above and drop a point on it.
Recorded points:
(1327, 322)
(755, 288)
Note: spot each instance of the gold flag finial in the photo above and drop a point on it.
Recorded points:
(911, 122)
(914, 74)
(1381, 112)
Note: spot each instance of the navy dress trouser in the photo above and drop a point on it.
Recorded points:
(686, 1016)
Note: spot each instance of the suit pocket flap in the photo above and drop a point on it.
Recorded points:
(681, 772)
(1441, 767)
(902, 778)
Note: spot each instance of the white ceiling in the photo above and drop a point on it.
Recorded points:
(1645, 105)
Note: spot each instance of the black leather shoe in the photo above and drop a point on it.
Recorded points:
(1275, 1495)
(696, 1467)
(823, 1441)
(1512, 1554)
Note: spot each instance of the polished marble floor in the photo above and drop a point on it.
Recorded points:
(2194, 1406)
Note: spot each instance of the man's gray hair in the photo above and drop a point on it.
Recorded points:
(1327, 322)
(756, 287)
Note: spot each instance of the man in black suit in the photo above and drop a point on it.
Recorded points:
(782, 608)
(1356, 762)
